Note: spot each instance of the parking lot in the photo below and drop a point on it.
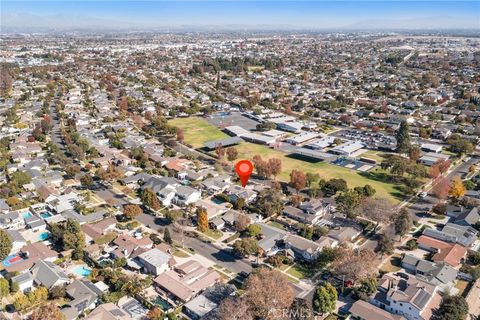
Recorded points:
(232, 119)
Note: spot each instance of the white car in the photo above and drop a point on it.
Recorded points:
(423, 195)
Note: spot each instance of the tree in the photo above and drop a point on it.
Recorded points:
(443, 165)
(253, 230)
(48, 311)
(412, 244)
(234, 308)
(434, 172)
(262, 166)
(58, 291)
(72, 170)
(202, 220)
(403, 222)
(232, 154)
(241, 222)
(4, 288)
(149, 199)
(298, 180)
(275, 167)
(379, 210)
(20, 178)
(452, 308)
(348, 202)
(86, 180)
(354, 264)
(245, 247)
(441, 189)
(385, 244)
(414, 153)
(180, 135)
(220, 151)
(173, 215)
(325, 298)
(368, 286)
(68, 235)
(132, 211)
(403, 138)
(457, 189)
(301, 310)
(167, 237)
(268, 290)
(155, 314)
(269, 202)
(332, 186)
(5, 244)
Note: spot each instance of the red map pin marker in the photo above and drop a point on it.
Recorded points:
(244, 169)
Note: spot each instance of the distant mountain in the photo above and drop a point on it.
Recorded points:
(414, 23)
(26, 22)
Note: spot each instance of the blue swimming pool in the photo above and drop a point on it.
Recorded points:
(26, 215)
(164, 305)
(45, 215)
(82, 271)
(43, 236)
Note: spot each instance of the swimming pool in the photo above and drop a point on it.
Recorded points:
(43, 236)
(45, 215)
(82, 271)
(164, 305)
(26, 215)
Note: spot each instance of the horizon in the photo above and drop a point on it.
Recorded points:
(267, 15)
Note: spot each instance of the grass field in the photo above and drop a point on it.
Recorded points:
(198, 131)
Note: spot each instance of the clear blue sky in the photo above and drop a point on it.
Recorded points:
(320, 14)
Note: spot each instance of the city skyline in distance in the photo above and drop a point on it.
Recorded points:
(238, 15)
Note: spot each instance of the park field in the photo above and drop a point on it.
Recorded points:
(198, 131)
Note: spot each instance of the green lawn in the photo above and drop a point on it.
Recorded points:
(301, 272)
(277, 225)
(198, 131)
(215, 234)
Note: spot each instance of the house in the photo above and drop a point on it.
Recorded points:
(24, 281)
(344, 234)
(412, 298)
(468, 217)
(97, 229)
(454, 233)
(133, 308)
(47, 274)
(235, 192)
(217, 184)
(108, 311)
(164, 188)
(453, 256)
(439, 274)
(308, 212)
(11, 220)
(62, 203)
(203, 305)
(18, 241)
(185, 195)
(269, 238)
(28, 256)
(126, 246)
(430, 158)
(430, 147)
(307, 249)
(155, 261)
(35, 223)
(84, 295)
(362, 310)
(186, 280)
(4, 207)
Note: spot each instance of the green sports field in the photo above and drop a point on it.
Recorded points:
(198, 131)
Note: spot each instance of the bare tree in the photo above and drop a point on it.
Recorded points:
(379, 210)
(355, 264)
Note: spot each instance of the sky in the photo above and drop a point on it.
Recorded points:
(300, 14)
